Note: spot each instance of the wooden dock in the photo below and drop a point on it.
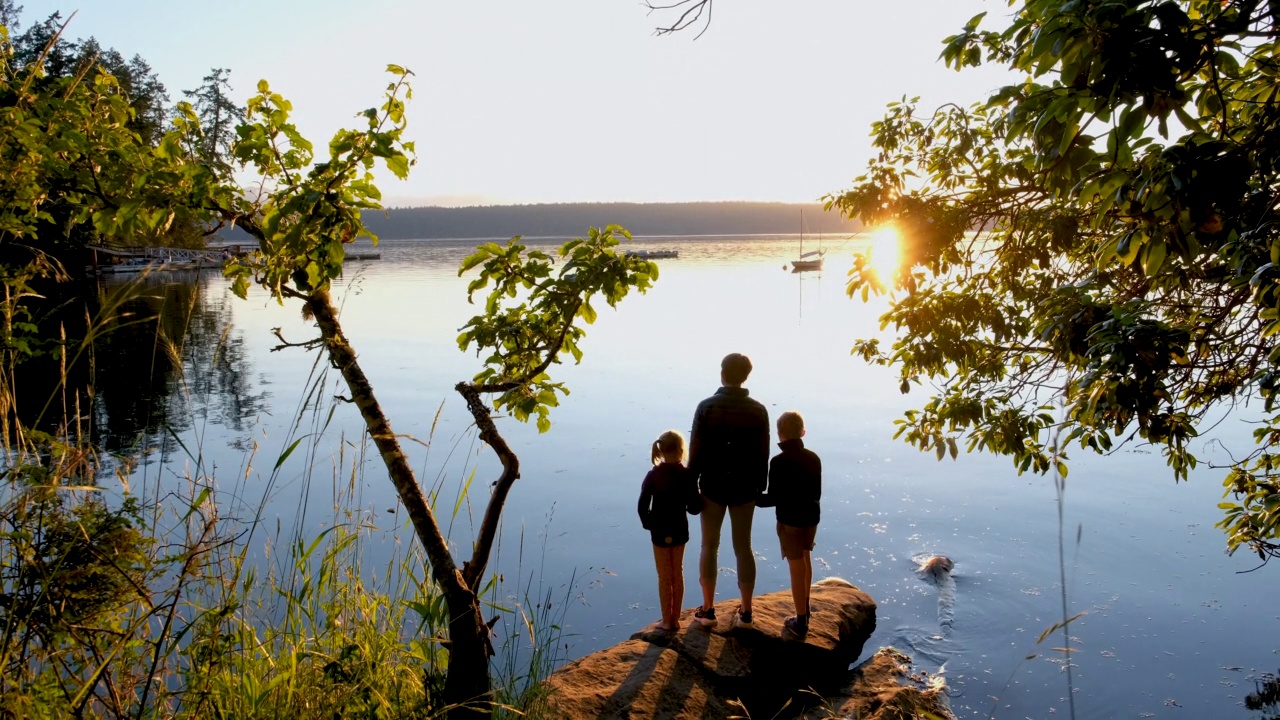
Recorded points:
(110, 260)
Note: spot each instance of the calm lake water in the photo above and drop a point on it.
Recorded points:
(1173, 628)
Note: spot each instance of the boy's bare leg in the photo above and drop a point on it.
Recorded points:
(801, 578)
(808, 579)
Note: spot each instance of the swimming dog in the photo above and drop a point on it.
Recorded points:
(937, 570)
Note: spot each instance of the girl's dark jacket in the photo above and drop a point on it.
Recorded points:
(667, 494)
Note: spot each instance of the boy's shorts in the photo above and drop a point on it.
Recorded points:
(796, 540)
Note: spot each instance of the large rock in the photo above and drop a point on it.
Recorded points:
(886, 688)
(636, 679)
(719, 672)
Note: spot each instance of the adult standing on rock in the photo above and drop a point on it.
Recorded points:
(729, 457)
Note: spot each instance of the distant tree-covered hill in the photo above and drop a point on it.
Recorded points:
(573, 219)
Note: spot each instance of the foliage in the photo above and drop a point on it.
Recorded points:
(87, 154)
(105, 615)
(526, 338)
(1129, 262)
(42, 45)
(70, 569)
(313, 210)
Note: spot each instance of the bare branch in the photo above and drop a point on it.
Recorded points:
(307, 345)
(691, 14)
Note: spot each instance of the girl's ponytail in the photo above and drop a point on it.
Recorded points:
(669, 442)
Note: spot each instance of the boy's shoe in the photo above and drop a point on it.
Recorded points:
(707, 617)
(797, 625)
(742, 619)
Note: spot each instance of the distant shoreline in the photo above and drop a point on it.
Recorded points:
(569, 220)
(646, 220)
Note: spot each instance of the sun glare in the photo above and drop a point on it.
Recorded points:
(886, 252)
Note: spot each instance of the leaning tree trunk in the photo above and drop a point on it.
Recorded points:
(467, 689)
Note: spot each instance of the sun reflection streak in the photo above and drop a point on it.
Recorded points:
(885, 254)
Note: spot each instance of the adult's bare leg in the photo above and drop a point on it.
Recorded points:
(708, 560)
(740, 520)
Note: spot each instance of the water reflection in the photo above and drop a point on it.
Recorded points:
(1265, 700)
(165, 357)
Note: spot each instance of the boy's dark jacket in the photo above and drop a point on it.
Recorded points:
(795, 485)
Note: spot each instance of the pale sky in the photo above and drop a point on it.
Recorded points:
(521, 101)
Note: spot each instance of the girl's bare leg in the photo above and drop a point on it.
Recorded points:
(677, 585)
(661, 558)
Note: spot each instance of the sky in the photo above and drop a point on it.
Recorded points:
(518, 101)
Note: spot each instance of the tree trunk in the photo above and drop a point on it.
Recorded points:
(466, 684)
(467, 689)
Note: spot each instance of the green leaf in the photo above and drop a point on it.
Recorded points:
(288, 451)
(1153, 257)
(398, 164)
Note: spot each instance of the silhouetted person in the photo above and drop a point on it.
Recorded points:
(729, 456)
(669, 491)
(795, 490)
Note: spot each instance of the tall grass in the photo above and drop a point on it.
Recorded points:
(183, 603)
(535, 644)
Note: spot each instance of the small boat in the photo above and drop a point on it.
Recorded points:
(653, 254)
(811, 260)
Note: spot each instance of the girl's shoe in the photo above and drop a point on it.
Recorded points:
(742, 619)
(707, 616)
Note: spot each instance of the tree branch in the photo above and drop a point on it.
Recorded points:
(690, 16)
(473, 570)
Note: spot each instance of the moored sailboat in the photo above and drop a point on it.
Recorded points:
(811, 260)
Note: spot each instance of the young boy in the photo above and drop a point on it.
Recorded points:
(795, 487)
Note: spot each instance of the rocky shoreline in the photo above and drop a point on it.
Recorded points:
(760, 672)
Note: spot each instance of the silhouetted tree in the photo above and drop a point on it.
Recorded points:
(218, 115)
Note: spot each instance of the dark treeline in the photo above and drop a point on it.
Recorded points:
(572, 219)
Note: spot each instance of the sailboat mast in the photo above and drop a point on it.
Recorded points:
(802, 233)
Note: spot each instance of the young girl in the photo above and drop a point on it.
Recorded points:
(668, 492)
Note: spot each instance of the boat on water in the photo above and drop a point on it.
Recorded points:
(803, 265)
(653, 254)
(811, 260)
